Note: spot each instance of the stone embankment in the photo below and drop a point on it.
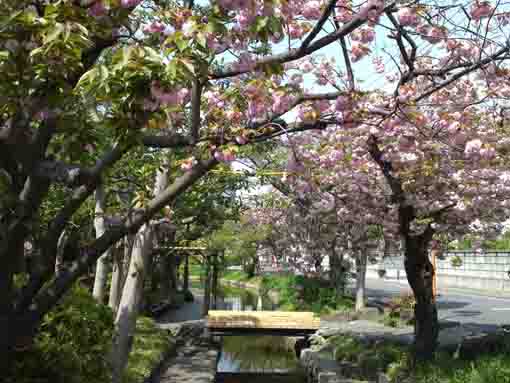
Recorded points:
(195, 357)
(321, 365)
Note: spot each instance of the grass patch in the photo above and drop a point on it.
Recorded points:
(297, 293)
(369, 358)
(149, 344)
(235, 275)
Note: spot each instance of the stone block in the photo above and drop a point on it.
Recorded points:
(317, 340)
(329, 377)
(369, 313)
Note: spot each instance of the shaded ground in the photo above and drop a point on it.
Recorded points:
(193, 365)
(188, 311)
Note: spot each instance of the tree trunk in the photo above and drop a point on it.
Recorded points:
(420, 274)
(337, 275)
(155, 273)
(214, 287)
(59, 258)
(207, 287)
(129, 241)
(185, 281)
(125, 321)
(98, 291)
(117, 279)
(6, 340)
(168, 277)
(361, 272)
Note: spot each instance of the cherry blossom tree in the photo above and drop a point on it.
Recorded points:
(85, 82)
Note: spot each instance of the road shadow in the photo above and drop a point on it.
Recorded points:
(451, 305)
(467, 313)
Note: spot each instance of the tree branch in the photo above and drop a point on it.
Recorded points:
(51, 294)
(196, 94)
(172, 140)
(315, 31)
(60, 172)
(295, 54)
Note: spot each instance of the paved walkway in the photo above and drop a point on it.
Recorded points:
(192, 364)
(188, 311)
(196, 360)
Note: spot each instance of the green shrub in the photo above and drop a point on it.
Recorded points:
(301, 293)
(150, 343)
(72, 345)
(487, 366)
(456, 261)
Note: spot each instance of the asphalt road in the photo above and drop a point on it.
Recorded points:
(453, 304)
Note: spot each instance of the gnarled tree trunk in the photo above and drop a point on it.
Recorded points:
(337, 273)
(59, 258)
(125, 321)
(361, 272)
(98, 291)
(420, 274)
(117, 278)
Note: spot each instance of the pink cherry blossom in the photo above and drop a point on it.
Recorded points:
(435, 35)
(98, 9)
(378, 64)
(295, 31)
(481, 9)
(218, 155)
(241, 140)
(281, 102)
(155, 27)
(358, 51)
(129, 3)
(312, 10)
(188, 164)
(473, 147)
(407, 16)
(342, 103)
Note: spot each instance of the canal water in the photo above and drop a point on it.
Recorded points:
(250, 359)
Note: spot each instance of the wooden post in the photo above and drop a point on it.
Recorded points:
(185, 282)
(433, 254)
(207, 286)
(215, 280)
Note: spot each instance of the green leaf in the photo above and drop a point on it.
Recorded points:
(202, 40)
(171, 69)
(3, 24)
(67, 31)
(87, 78)
(261, 23)
(54, 33)
(275, 24)
(181, 43)
(189, 66)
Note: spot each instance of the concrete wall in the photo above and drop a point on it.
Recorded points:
(487, 271)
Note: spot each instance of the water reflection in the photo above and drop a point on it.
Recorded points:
(257, 354)
(252, 359)
(243, 300)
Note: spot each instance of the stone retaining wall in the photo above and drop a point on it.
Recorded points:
(484, 271)
(195, 357)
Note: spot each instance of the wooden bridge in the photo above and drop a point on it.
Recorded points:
(282, 323)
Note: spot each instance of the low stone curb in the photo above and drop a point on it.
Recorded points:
(194, 356)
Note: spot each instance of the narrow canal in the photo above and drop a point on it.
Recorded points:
(250, 359)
